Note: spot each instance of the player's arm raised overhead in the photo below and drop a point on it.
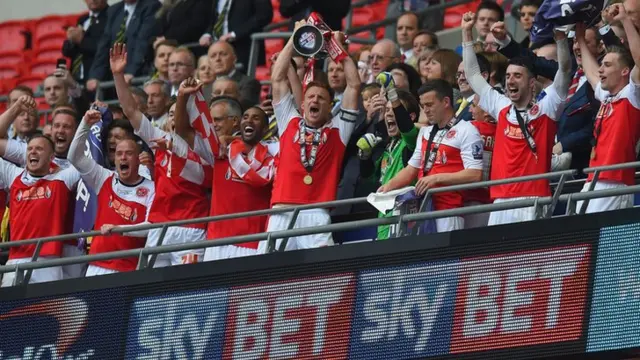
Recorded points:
(352, 91)
(181, 117)
(118, 62)
(91, 172)
(279, 78)
(589, 62)
(471, 68)
(633, 38)
(563, 76)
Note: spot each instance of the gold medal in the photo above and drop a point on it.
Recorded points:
(307, 179)
(593, 153)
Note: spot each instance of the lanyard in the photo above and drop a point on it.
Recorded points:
(311, 161)
(430, 155)
(525, 131)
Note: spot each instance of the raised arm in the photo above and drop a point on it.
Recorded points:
(78, 159)
(352, 91)
(118, 63)
(589, 62)
(296, 85)
(181, 117)
(24, 103)
(563, 77)
(471, 68)
(633, 38)
(279, 80)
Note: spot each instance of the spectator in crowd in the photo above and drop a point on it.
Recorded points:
(616, 87)
(424, 41)
(337, 83)
(498, 67)
(407, 28)
(432, 21)
(182, 21)
(181, 178)
(384, 53)
(131, 22)
(522, 147)
(18, 92)
(158, 98)
(405, 77)
(224, 86)
(488, 13)
(460, 141)
(205, 71)
(526, 13)
(141, 98)
(463, 110)
(245, 188)
(182, 63)
(443, 64)
(162, 51)
(124, 198)
(55, 91)
(223, 61)
(234, 21)
(311, 154)
(82, 40)
(27, 201)
(362, 57)
(116, 112)
(385, 153)
(490, 44)
(331, 12)
(23, 116)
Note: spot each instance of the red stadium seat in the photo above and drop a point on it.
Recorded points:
(49, 25)
(48, 52)
(453, 15)
(12, 35)
(50, 40)
(10, 71)
(33, 81)
(43, 67)
(272, 46)
(262, 73)
(14, 57)
(360, 17)
(6, 85)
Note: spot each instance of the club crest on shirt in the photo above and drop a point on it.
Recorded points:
(164, 162)
(142, 192)
(535, 110)
(125, 211)
(451, 134)
(34, 193)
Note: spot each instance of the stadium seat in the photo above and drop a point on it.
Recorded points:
(49, 25)
(12, 57)
(8, 71)
(262, 73)
(48, 52)
(12, 34)
(360, 17)
(453, 15)
(50, 40)
(41, 104)
(43, 67)
(33, 81)
(6, 85)
(272, 46)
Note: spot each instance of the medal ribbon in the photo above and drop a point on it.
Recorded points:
(256, 168)
(308, 163)
(431, 154)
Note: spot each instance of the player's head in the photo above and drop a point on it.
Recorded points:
(116, 131)
(226, 113)
(477, 113)
(128, 161)
(40, 154)
(317, 103)
(410, 104)
(63, 127)
(615, 69)
(436, 100)
(253, 124)
(520, 80)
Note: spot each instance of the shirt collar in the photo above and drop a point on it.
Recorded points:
(130, 8)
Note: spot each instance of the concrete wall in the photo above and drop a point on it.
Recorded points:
(28, 9)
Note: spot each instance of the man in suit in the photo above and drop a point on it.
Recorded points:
(82, 40)
(463, 109)
(234, 21)
(131, 22)
(575, 124)
(332, 11)
(223, 62)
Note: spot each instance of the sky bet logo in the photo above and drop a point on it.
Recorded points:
(26, 323)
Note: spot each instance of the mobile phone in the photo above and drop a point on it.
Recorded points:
(61, 63)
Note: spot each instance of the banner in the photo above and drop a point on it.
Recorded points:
(86, 199)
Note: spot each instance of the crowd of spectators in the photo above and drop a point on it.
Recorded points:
(401, 115)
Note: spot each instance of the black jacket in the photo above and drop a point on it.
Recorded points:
(332, 11)
(89, 44)
(186, 22)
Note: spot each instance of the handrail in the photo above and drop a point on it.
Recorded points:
(612, 167)
(143, 252)
(273, 211)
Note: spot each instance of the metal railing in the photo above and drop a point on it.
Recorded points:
(146, 256)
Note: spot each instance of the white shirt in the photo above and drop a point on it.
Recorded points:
(130, 8)
(408, 54)
(158, 122)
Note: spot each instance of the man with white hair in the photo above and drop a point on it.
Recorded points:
(384, 53)
(158, 99)
(223, 62)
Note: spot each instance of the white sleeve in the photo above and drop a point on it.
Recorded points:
(285, 110)
(179, 147)
(471, 147)
(492, 101)
(148, 132)
(632, 92)
(8, 173)
(345, 122)
(70, 176)
(600, 94)
(93, 174)
(16, 152)
(145, 172)
(203, 149)
(416, 158)
(552, 103)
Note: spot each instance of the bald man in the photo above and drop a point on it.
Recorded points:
(384, 53)
(223, 62)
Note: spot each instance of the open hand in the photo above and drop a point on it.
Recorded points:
(425, 183)
(118, 58)
(106, 229)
